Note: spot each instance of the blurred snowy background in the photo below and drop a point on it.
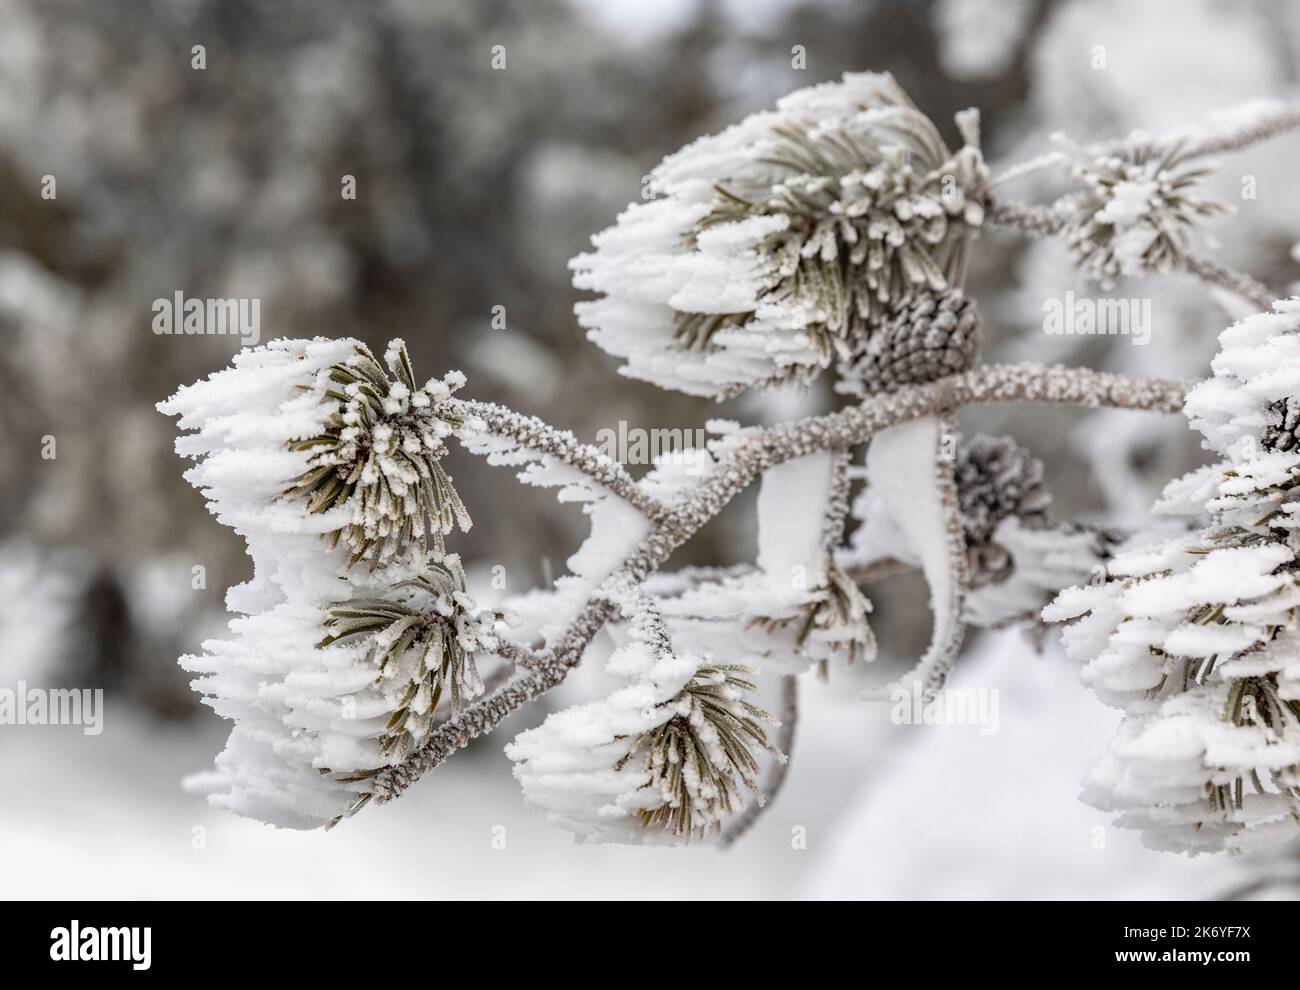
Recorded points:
(475, 186)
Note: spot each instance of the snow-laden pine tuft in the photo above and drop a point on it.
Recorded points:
(670, 757)
(303, 440)
(421, 636)
(350, 631)
(771, 244)
(1140, 211)
(1196, 638)
(379, 456)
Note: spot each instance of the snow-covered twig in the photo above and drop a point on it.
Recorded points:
(1246, 126)
(837, 506)
(1234, 130)
(1210, 272)
(520, 655)
(1027, 167)
(1031, 219)
(536, 435)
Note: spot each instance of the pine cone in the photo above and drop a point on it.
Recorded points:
(997, 478)
(1284, 434)
(926, 337)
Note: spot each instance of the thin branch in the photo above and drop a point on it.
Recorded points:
(1029, 167)
(535, 434)
(1238, 283)
(1037, 221)
(1194, 142)
(641, 611)
(942, 653)
(1199, 141)
(1045, 221)
(520, 655)
(837, 504)
(752, 452)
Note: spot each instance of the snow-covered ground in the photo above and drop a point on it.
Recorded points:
(870, 809)
(965, 814)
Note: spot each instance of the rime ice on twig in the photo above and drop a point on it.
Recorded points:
(535, 435)
(1212, 273)
(1037, 221)
(1228, 130)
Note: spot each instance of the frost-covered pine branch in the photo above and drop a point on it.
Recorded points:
(1137, 208)
(831, 236)
(1196, 638)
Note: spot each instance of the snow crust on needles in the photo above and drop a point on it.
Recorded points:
(1196, 638)
(570, 765)
(677, 256)
(297, 708)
